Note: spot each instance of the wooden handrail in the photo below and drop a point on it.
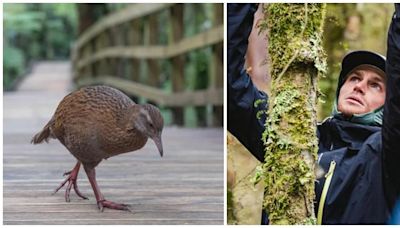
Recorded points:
(210, 37)
(159, 96)
(131, 12)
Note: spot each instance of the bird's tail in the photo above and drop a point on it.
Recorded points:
(45, 134)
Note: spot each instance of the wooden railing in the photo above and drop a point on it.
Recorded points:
(124, 50)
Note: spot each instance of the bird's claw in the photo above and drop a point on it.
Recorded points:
(72, 181)
(116, 206)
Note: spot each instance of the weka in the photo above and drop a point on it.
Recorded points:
(98, 122)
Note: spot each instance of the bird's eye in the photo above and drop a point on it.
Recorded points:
(151, 125)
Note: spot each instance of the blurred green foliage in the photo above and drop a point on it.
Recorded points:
(335, 47)
(198, 18)
(35, 31)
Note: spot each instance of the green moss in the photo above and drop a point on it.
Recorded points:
(230, 211)
(262, 111)
(290, 136)
(294, 35)
(286, 173)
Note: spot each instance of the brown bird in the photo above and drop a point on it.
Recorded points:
(98, 122)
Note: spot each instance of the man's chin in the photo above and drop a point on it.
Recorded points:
(349, 113)
(351, 109)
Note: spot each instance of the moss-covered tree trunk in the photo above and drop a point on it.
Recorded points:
(297, 60)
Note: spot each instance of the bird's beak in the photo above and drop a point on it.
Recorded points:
(158, 142)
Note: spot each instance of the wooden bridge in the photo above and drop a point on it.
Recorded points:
(183, 187)
(145, 49)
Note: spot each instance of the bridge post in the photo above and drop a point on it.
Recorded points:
(134, 40)
(178, 62)
(112, 62)
(216, 66)
(152, 39)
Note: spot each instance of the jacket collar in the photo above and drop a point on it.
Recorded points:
(373, 118)
(353, 134)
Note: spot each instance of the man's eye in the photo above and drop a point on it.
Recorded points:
(376, 86)
(354, 79)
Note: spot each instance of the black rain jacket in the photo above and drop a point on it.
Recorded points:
(364, 160)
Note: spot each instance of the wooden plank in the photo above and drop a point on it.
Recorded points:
(117, 197)
(212, 36)
(132, 12)
(88, 207)
(118, 173)
(89, 221)
(145, 190)
(188, 188)
(159, 96)
(115, 215)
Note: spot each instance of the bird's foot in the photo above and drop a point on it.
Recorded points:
(72, 182)
(109, 204)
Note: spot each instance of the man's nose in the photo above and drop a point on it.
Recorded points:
(360, 86)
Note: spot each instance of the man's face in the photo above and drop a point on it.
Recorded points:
(363, 91)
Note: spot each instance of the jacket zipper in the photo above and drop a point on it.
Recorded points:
(328, 178)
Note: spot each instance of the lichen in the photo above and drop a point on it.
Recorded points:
(262, 111)
(297, 60)
(298, 27)
(230, 210)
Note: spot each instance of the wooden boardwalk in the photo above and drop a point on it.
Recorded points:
(183, 187)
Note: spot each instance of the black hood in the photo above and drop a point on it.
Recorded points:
(351, 61)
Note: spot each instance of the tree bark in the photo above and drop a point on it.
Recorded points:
(297, 60)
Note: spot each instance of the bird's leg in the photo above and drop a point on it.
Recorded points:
(72, 181)
(101, 202)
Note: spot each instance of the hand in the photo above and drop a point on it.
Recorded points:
(257, 54)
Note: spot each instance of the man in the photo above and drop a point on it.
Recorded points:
(359, 143)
